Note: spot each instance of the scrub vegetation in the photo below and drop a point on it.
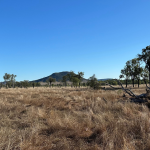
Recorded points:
(43, 118)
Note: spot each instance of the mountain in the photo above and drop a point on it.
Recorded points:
(105, 79)
(58, 76)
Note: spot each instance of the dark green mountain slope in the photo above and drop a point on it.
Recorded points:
(58, 76)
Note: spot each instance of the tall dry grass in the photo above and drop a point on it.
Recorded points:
(71, 119)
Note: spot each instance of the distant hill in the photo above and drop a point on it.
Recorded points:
(58, 76)
(105, 79)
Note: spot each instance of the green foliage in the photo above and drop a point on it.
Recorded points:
(12, 79)
(145, 56)
(50, 79)
(25, 83)
(132, 69)
(145, 74)
(102, 82)
(37, 84)
(70, 76)
(80, 77)
(33, 84)
(6, 78)
(83, 84)
(64, 79)
(75, 81)
(114, 82)
(93, 82)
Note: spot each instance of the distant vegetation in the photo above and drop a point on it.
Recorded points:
(77, 118)
(132, 73)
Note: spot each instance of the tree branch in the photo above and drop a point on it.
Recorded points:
(112, 86)
(126, 90)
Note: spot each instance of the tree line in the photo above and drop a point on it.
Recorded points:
(132, 73)
(10, 82)
(75, 79)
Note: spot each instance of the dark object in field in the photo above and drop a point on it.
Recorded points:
(142, 98)
(33, 84)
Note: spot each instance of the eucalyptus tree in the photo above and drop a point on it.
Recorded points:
(125, 73)
(12, 79)
(138, 71)
(145, 75)
(64, 79)
(93, 82)
(6, 78)
(33, 84)
(80, 77)
(145, 56)
(75, 81)
(50, 79)
(70, 76)
(133, 69)
(25, 83)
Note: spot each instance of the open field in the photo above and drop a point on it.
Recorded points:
(72, 119)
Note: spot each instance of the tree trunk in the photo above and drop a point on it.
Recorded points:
(149, 75)
(126, 82)
(133, 82)
(145, 82)
(138, 82)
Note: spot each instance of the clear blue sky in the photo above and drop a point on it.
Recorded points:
(40, 37)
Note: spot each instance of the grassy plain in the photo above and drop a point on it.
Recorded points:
(72, 119)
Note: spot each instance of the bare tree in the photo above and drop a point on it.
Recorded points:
(134, 97)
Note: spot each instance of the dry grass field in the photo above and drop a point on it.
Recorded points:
(72, 119)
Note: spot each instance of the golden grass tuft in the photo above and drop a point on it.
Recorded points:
(72, 119)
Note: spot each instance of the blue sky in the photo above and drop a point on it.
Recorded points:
(38, 38)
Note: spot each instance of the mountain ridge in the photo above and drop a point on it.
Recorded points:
(58, 76)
